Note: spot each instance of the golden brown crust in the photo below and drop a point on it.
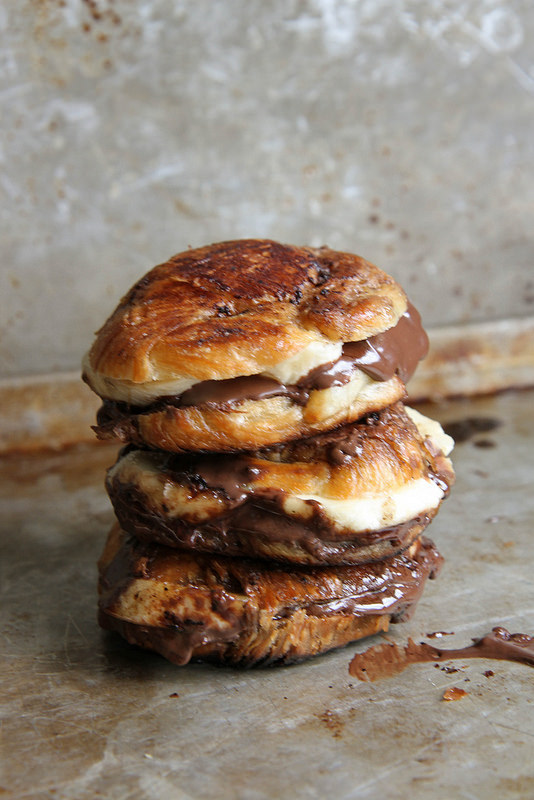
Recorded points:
(239, 611)
(360, 301)
(380, 453)
(237, 308)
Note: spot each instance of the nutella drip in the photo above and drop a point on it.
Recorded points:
(394, 352)
(385, 660)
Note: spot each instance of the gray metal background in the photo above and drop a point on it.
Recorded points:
(398, 129)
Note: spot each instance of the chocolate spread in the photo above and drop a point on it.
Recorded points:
(394, 352)
(385, 660)
(392, 586)
(260, 527)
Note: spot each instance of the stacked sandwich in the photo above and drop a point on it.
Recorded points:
(272, 489)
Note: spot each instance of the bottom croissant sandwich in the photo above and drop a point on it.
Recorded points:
(194, 606)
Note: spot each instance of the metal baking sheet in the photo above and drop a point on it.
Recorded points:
(85, 715)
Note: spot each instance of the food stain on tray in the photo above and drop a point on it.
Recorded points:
(462, 430)
(454, 693)
(386, 660)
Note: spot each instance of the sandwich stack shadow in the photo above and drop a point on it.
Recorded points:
(273, 489)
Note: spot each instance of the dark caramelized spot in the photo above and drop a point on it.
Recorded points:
(251, 270)
(172, 316)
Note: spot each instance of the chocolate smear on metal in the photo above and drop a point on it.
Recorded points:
(386, 660)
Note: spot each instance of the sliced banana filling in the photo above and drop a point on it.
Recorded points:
(291, 370)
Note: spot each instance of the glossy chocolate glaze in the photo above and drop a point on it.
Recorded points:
(397, 351)
(394, 352)
(175, 644)
(386, 660)
(389, 588)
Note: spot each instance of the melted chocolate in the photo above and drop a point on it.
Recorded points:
(176, 642)
(385, 660)
(389, 588)
(257, 527)
(233, 390)
(230, 475)
(254, 521)
(394, 352)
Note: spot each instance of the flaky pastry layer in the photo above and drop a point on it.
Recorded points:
(247, 424)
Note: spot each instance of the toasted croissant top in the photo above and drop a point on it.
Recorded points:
(238, 308)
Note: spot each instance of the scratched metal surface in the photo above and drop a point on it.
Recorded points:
(86, 715)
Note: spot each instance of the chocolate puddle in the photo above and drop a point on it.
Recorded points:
(386, 660)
